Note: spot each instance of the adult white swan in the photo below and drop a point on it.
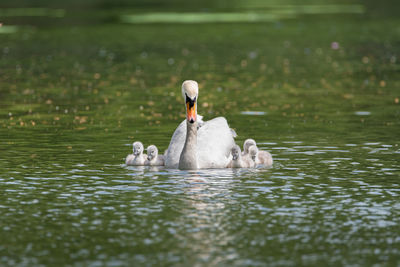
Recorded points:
(194, 147)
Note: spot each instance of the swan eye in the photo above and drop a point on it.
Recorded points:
(190, 101)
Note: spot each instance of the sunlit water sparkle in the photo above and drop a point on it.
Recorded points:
(318, 92)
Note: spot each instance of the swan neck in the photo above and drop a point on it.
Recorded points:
(188, 158)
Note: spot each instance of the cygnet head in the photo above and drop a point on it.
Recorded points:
(247, 144)
(152, 152)
(253, 150)
(235, 152)
(190, 92)
(137, 148)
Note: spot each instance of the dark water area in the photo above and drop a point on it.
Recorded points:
(316, 85)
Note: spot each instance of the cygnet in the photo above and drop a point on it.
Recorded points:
(260, 156)
(153, 159)
(137, 158)
(238, 161)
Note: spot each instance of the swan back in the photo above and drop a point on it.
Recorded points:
(214, 143)
(265, 157)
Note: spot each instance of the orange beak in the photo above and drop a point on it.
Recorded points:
(191, 112)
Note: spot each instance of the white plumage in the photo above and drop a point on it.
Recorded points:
(137, 158)
(197, 145)
(214, 142)
(238, 161)
(260, 156)
(153, 159)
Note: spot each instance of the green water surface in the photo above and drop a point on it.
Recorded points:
(317, 85)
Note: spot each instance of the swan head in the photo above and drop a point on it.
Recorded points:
(137, 148)
(152, 152)
(247, 144)
(253, 150)
(235, 152)
(190, 92)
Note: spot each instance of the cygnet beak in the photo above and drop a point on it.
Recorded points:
(234, 157)
(191, 109)
(136, 152)
(148, 158)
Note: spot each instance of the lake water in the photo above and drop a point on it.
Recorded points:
(317, 86)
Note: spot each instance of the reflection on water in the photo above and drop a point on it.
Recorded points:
(317, 197)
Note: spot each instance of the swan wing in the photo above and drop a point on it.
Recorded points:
(214, 142)
(175, 146)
